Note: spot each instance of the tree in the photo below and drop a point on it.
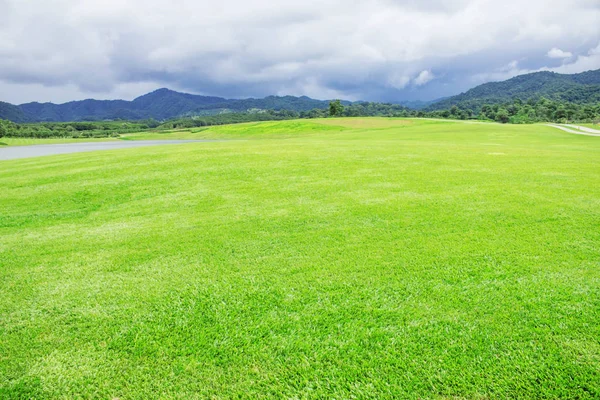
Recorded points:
(3, 128)
(560, 113)
(454, 111)
(335, 108)
(502, 116)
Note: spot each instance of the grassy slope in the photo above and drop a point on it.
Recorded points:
(423, 260)
(254, 130)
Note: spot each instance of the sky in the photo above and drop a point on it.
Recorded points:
(378, 50)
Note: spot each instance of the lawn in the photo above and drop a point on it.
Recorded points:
(350, 258)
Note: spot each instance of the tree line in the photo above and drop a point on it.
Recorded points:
(515, 111)
(76, 130)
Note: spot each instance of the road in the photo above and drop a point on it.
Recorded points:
(15, 152)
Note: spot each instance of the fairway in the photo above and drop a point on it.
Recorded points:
(338, 258)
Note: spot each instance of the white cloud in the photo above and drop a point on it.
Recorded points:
(424, 77)
(398, 80)
(368, 50)
(558, 53)
(587, 62)
(590, 61)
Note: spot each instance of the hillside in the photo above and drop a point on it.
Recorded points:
(577, 88)
(12, 113)
(161, 104)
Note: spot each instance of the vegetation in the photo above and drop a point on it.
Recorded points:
(162, 104)
(11, 113)
(516, 112)
(569, 98)
(231, 118)
(542, 110)
(336, 109)
(75, 130)
(366, 258)
(583, 88)
(578, 90)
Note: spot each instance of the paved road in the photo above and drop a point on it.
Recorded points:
(578, 130)
(14, 152)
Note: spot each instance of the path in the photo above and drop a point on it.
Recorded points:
(15, 152)
(576, 129)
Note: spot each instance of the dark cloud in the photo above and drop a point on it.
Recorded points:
(377, 50)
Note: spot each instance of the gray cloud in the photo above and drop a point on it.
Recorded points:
(377, 50)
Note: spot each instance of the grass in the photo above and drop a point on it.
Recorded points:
(8, 141)
(253, 130)
(417, 259)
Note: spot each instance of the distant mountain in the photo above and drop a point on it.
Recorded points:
(419, 104)
(577, 88)
(12, 113)
(78, 111)
(164, 104)
(161, 104)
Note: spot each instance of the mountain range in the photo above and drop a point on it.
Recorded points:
(164, 104)
(161, 104)
(576, 88)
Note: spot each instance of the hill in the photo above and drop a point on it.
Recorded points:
(12, 113)
(576, 88)
(161, 104)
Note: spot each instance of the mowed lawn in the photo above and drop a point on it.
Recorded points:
(348, 258)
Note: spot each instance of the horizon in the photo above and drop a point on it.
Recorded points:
(381, 52)
(281, 95)
(206, 95)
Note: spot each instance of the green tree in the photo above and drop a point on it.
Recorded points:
(335, 108)
(7, 128)
(502, 116)
(454, 111)
(560, 113)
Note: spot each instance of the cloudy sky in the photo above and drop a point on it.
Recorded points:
(382, 50)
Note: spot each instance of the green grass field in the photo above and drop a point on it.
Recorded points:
(341, 258)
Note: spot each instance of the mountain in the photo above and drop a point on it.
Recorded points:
(161, 104)
(78, 110)
(12, 113)
(577, 88)
(419, 104)
(164, 104)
